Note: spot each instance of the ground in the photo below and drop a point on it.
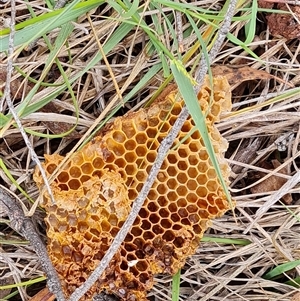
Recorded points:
(90, 62)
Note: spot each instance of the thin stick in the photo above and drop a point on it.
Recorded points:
(23, 225)
(162, 151)
(10, 105)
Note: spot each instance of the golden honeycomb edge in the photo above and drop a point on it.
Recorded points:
(94, 193)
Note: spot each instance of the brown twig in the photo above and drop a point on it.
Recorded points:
(25, 227)
(162, 151)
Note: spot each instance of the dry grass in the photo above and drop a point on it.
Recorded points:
(261, 117)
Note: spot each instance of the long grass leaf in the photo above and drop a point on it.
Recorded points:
(282, 268)
(185, 87)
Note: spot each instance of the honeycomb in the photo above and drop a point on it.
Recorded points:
(95, 191)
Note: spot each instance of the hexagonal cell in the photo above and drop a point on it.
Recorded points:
(53, 221)
(153, 121)
(176, 109)
(211, 173)
(194, 146)
(172, 171)
(128, 129)
(175, 217)
(130, 157)
(182, 212)
(77, 159)
(172, 158)
(141, 176)
(145, 225)
(202, 179)
(67, 251)
(131, 169)
(196, 135)
(163, 212)
(72, 220)
(178, 242)
(162, 201)
(87, 168)
(97, 163)
(162, 189)
(124, 265)
(166, 223)
(182, 178)
(173, 207)
(50, 168)
(212, 185)
(193, 160)
(151, 156)
(152, 144)
(172, 196)
(203, 155)
(141, 151)
(74, 184)
(182, 165)
(142, 265)
(152, 207)
(62, 213)
(88, 154)
(192, 208)
(84, 179)
(148, 235)
(151, 132)
(139, 242)
(129, 247)
(144, 278)
(192, 185)
(192, 197)
(215, 109)
(157, 229)
(201, 191)
(203, 214)
(118, 150)
(141, 138)
(105, 226)
(163, 115)
(181, 190)
(162, 176)
(63, 177)
(113, 220)
(82, 226)
(120, 162)
(194, 218)
(168, 235)
(140, 254)
(193, 172)
(114, 231)
(119, 136)
(154, 218)
(197, 229)
(130, 144)
(212, 210)
(128, 238)
(136, 231)
(172, 183)
(143, 213)
(83, 202)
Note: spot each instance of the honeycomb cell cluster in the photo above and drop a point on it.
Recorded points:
(94, 193)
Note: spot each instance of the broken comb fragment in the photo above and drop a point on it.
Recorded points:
(94, 194)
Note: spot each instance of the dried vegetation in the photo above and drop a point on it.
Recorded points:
(78, 91)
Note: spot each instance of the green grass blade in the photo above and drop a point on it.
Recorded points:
(227, 241)
(176, 286)
(250, 27)
(41, 25)
(185, 87)
(12, 179)
(282, 268)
